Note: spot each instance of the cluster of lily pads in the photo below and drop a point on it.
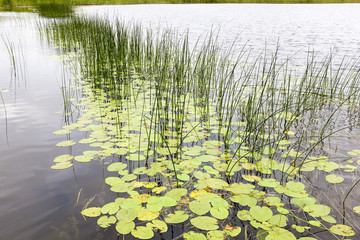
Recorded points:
(190, 144)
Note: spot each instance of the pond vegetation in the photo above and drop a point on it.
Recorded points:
(219, 141)
(15, 4)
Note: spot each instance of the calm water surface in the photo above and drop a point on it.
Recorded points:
(39, 203)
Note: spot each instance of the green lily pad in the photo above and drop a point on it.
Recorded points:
(112, 181)
(268, 182)
(244, 215)
(66, 143)
(125, 227)
(118, 166)
(273, 201)
(261, 214)
(238, 188)
(176, 217)
(342, 230)
(146, 215)
(105, 221)
(244, 200)
(200, 207)
(63, 158)
(356, 209)
(205, 223)
(280, 234)
(129, 177)
(317, 210)
(123, 187)
(219, 212)
(295, 186)
(219, 202)
(110, 208)
(302, 202)
(332, 178)
(279, 220)
(135, 157)
(126, 214)
(232, 231)
(329, 219)
(142, 232)
(83, 158)
(62, 132)
(183, 177)
(194, 236)
(176, 193)
(91, 212)
(61, 165)
(216, 235)
(87, 140)
(160, 226)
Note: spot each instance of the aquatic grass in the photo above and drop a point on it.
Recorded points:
(211, 119)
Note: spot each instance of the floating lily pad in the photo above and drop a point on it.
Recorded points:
(216, 235)
(342, 230)
(83, 158)
(127, 214)
(251, 178)
(205, 223)
(332, 178)
(62, 131)
(176, 193)
(194, 236)
(273, 201)
(118, 166)
(159, 225)
(219, 212)
(357, 209)
(176, 217)
(261, 214)
(135, 157)
(63, 158)
(123, 187)
(91, 212)
(125, 227)
(244, 215)
(244, 200)
(295, 186)
(200, 207)
(329, 219)
(317, 210)
(67, 143)
(279, 220)
(302, 202)
(61, 165)
(142, 232)
(146, 215)
(232, 231)
(280, 234)
(268, 182)
(105, 221)
(110, 208)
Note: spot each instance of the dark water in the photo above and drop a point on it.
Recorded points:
(39, 203)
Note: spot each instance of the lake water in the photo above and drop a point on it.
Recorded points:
(39, 203)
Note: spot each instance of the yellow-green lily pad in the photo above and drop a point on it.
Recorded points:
(205, 223)
(124, 227)
(332, 178)
(176, 217)
(261, 214)
(342, 230)
(91, 212)
(317, 210)
(66, 143)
